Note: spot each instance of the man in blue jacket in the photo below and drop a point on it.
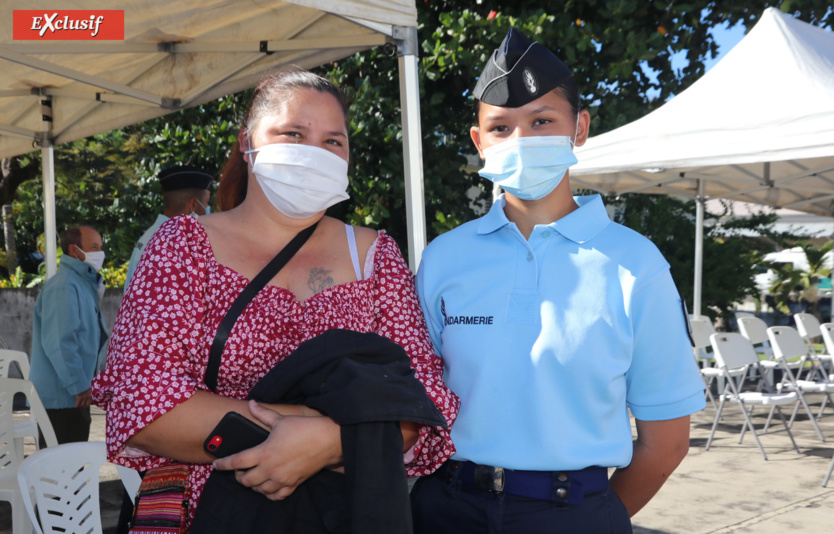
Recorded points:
(69, 335)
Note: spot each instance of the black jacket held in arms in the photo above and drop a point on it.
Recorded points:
(365, 383)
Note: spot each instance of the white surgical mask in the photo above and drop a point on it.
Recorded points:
(94, 259)
(529, 168)
(300, 180)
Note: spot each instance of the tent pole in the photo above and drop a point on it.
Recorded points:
(699, 248)
(412, 142)
(48, 166)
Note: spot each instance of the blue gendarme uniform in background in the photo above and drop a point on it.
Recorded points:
(549, 341)
(140, 246)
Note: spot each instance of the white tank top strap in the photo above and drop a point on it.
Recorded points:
(354, 255)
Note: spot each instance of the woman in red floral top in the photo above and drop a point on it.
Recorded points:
(159, 409)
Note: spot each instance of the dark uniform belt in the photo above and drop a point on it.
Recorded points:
(556, 486)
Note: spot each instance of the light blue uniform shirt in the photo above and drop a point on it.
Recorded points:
(69, 336)
(549, 341)
(140, 246)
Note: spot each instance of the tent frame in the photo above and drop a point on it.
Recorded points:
(403, 37)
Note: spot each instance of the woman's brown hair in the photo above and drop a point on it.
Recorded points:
(270, 94)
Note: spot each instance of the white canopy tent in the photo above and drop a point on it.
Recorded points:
(181, 54)
(758, 127)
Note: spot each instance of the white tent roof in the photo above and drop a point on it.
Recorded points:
(758, 127)
(174, 55)
(177, 54)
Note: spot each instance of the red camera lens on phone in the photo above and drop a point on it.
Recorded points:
(214, 443)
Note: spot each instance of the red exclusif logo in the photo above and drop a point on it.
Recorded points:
(69, 25)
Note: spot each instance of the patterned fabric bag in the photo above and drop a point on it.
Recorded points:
(161, 503)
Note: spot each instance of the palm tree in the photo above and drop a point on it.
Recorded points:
(794, 284)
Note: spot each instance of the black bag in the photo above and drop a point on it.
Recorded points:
(365, 383)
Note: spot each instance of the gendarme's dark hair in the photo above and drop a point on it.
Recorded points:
(568, 89)
(268, 98)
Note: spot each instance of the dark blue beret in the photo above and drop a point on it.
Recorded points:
(185, 177)
(518, 72)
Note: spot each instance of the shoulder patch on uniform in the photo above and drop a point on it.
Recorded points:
(686, 320)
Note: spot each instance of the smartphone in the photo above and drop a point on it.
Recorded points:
(234, 433)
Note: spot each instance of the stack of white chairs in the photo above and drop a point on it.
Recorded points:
(11, 446)
(733, 352)
(788, 344)
(61, 487)
(25, 425)
(12, 432)
(8, 358)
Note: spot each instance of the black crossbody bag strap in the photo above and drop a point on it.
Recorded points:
(246, 296)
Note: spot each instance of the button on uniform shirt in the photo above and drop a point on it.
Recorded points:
(550, 341)
(140, 246)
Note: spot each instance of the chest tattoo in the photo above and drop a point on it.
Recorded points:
(319, 279)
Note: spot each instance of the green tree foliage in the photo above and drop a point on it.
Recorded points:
(730, 253)
(793, 284)
(613, 46)
(108, 180)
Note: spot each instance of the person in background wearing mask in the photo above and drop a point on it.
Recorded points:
(290, 164)
(185, 191)
(553, 322)
(69, 336)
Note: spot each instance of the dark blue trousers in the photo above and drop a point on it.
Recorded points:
(442, 504)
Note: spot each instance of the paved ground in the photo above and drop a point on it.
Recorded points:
(728, 489)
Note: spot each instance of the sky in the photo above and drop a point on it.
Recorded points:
(725, 36)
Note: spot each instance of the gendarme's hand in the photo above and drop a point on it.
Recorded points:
(297, 448)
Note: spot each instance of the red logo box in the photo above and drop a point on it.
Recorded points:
(68, 25)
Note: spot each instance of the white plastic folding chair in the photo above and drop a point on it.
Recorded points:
(38, 419)
(61, 487)
(810, 329)
(733, 352)
(24, 425)
(131, 480)
(702, 329)
(7, 357)
(827, 332)
(787, 345)
(10, 457)
(755, 330)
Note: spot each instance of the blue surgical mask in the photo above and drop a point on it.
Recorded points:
(529, 168)
(206, 209)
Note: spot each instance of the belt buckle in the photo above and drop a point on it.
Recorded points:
(489, 478)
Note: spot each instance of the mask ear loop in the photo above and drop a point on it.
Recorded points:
(575, 133)
(250, 150)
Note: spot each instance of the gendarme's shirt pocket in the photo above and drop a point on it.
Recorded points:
(523, 307)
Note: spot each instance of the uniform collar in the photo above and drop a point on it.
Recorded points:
(579, 226)
(79, 267)
(584, 223)
(495, 218)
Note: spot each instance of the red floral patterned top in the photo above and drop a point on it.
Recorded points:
(179, 294)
